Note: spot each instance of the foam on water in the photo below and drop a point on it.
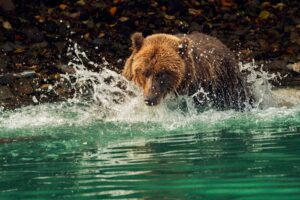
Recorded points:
(260, 84)
(106, 96)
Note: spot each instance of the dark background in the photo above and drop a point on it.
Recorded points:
(35, 35)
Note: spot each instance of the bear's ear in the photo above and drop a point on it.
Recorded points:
(137, 41)
(183, 46)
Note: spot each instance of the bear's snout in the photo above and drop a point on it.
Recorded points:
(152, 91)
(151, 101)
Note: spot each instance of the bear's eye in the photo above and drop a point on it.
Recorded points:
(146, 73)
(162, 83)
(162, 79)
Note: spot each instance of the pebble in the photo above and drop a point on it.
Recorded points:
(65, 69)
(34, 99)
(123, 19)
(6, 25)
(294, 67)
(28, 74)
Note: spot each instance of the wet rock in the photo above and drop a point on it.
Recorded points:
(64, 91)
(6, 79)
(81, 2)
(175, 6)
(206, 28)
(39, 32)
(182, 26)
(84, 16)
(264, 44)
(50, 26)
(295, 37)
(294, 67)
(263, 15)
(5, 93)
(34, 99)
(40, 45)
(123, 19)
(7, 5)
(51, 3)
(46, 89)
(74, 15)
(63, 6)
(65, 69)
(275, 66)
(63, 31)
(23, 87)
(7, 25)
(227, 3)
(169, 17)
(195, 12)
(102, 43)
(253, 11)
(7, 47)
(28, 74)
(195, 26)
(291, 81)
(23, 101)
(60, 46)
(4, 63)
(33, 34)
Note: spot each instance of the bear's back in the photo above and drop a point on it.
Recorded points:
(217, 71)
(206, 47)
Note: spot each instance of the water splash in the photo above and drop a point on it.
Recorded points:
(104, 87)
(259, 81)
(106, 96)
(117, 98)
(114, 93)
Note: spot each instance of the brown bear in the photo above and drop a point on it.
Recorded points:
(186, 64)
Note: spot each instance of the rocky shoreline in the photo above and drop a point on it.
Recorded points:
(35, 37)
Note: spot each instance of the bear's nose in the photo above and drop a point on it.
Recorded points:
(149, 101)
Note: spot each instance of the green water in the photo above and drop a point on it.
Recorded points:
(57, 153)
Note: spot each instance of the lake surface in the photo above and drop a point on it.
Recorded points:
(106, 144)
(70, 152)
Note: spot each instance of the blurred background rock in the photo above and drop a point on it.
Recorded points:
(35, 36)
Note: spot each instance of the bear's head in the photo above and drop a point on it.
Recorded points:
(156, 65)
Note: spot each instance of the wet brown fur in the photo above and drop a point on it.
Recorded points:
(187, 62)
